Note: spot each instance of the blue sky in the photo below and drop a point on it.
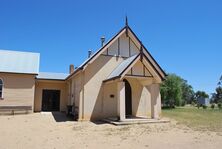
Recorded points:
(184, 36)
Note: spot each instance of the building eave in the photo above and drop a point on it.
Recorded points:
(147, 52)
(94, 55)
(19, 73)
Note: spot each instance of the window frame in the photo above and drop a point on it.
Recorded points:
(1, 97)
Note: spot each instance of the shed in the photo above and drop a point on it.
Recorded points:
(203, 101)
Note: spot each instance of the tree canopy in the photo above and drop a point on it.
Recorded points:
(176, 91)
(201, 94)
(217, 97)
(220, 81)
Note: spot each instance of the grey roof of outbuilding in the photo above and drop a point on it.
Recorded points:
(51, 76)
(121, 67)
(19, 62)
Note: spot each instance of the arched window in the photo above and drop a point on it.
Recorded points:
(1, 88)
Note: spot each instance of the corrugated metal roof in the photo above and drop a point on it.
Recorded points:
(19, 62)
(51, 76)
(121, 67)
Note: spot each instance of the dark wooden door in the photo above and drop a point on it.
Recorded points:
(50, 100)
(128, 98)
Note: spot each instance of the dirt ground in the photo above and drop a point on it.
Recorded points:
(54, 131)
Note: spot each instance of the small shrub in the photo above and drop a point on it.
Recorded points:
(212, 106)
(219, 105)
(199, 105)
(183, 104)
(193, 103)
(204, 107)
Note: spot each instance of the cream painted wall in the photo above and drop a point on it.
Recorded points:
(74, 92)
(126, 46)
(133, 48)
(138, 69)
(113, 49)
(18, 89)
(94, 92)
(69, 90)
(77, 89)
(121, 96)
(53, 85)
(141, 98)
(155, 100)
(109, 100)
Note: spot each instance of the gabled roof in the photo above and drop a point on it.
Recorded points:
(148, 53)
(96, 53)
(126, 29)
(19, 62)
(128, 63)
(51, 76)
(121, 67)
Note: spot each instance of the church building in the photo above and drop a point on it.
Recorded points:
(121, 79)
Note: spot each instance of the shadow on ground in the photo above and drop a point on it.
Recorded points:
(99, 122)
(62, 117)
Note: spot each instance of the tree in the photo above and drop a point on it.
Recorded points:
(217, 97)
(201, 94)
(171, 91)
(188, 93)
(213, 98)
(220, 81)
(176, 91)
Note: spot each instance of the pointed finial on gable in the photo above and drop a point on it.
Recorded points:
(126, 26)
(126, 23)
(141, 51)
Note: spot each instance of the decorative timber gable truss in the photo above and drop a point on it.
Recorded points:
(143, 55)
(126, 68)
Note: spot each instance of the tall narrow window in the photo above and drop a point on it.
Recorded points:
(1, 88)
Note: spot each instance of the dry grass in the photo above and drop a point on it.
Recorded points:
(197, 119)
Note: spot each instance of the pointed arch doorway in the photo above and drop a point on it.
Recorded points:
(128, 99)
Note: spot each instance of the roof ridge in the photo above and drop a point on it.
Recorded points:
(14, 51)
(97, 51)
(55, 72)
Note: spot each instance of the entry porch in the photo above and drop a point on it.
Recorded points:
(138, 100)
(137, 88)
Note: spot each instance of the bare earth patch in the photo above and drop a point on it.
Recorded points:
(46, 131)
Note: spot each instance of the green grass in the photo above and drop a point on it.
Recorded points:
(198, 119)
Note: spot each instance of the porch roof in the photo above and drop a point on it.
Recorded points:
(122, 67)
